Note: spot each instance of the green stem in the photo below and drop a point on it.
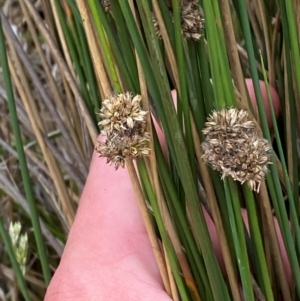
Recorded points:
(110, 64)
(255, 233)
(237, 227)
(165, 237)
(22, 159)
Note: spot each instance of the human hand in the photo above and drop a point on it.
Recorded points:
(108, 255)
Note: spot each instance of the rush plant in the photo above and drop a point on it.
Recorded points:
(225, 147)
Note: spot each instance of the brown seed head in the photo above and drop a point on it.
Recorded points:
(191, 21)
(117, 148)
(122, 113)
(233, 147)
(123, 123)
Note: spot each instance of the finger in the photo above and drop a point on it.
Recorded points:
(274, 96)
(107, 247)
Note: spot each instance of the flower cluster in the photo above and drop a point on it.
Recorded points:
(233, 147)
(191, 21)
(19, 244)
(123, 123)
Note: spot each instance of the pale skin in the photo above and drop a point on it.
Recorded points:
(108, 255)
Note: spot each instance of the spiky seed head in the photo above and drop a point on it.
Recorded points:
(117, 148)
(124, 124)
(191, 21)
(233, 147)
(122, 113)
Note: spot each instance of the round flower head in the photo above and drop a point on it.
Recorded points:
(122, 113)
(191, 21)
(233, 147)
(123, 123)
(117, 148)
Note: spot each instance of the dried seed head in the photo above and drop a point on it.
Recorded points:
(124, 125)
(191, 21)
(118, 147)
(122, 113)
(233, 147)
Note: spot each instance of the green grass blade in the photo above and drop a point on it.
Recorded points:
(212, 37)
(87, 66)
(208, 96)
(295, 220)
(237, 228)
(165, 238)
(255, 234)
(110, 64)
(182, 96)
(22, 159)
(120, 44)
(126, 52)
(73, 42)
(178, 150)
(180, 220)
(289, 17)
